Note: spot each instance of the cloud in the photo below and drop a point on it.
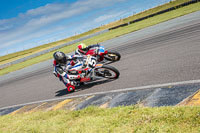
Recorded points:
(45, 20)
(44, 10)
(109, 16)
(5, 27)
(66, 11)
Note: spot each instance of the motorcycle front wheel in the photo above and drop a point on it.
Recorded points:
(112, 56)
(107, 71)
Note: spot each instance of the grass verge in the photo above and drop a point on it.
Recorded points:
(109, 35)
(118, 120)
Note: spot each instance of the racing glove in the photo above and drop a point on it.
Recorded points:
(54, 72)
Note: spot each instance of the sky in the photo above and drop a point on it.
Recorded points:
(29, 23)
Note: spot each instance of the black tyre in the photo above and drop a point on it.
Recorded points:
(112, 56)
(107, 71)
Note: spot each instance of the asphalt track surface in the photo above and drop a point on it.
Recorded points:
(156, 55)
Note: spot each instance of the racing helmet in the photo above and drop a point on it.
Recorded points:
(82, 47)
(60, 57)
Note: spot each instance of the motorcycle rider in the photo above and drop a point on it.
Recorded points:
(83, 49)
(62, 64)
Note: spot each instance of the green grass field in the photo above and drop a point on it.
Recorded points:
(109, 35)
(113, 120)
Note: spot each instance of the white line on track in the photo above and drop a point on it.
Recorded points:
(112, 91)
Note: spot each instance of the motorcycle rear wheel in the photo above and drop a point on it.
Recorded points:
(107, 71)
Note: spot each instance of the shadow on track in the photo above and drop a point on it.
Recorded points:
(83, 87)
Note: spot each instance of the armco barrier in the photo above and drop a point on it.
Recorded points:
(51, 49)
(157, 13)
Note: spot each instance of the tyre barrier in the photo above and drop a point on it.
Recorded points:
(157, 13)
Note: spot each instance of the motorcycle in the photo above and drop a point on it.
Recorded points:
(97, 71)
(102, 54)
